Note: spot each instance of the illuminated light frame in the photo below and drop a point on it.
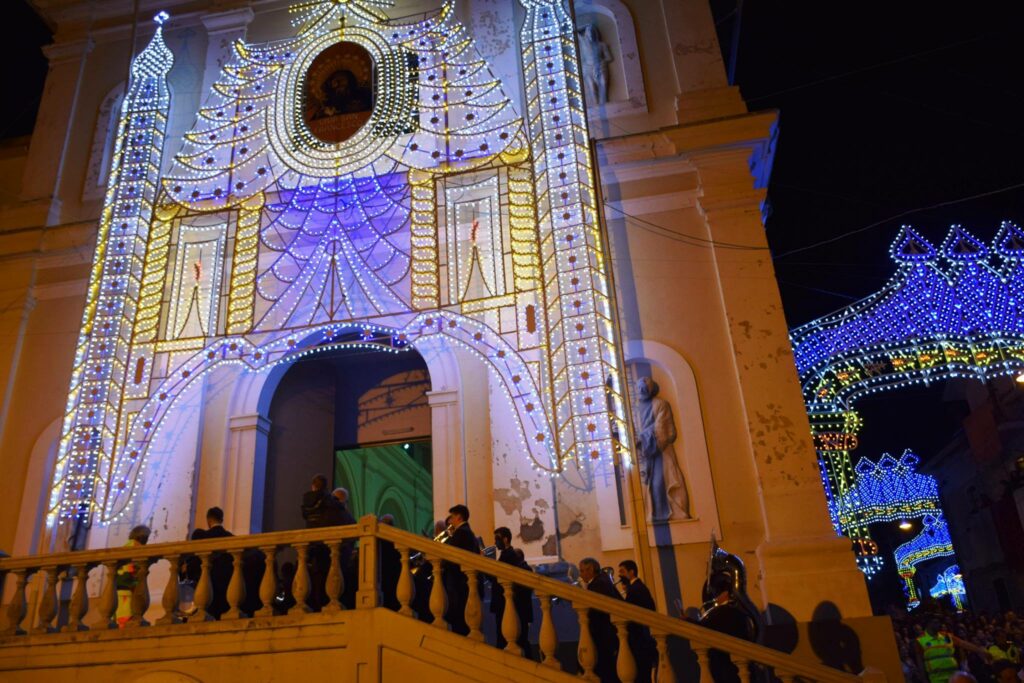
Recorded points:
(950, 582)
(230, 163)
(101, 366)
(933, 542)
(887, 491)
(956, 311)
(507, 365)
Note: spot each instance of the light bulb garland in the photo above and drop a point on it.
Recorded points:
(953, 311)
(325, 238)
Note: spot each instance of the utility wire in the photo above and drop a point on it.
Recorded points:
(692, 240)
(850, 233)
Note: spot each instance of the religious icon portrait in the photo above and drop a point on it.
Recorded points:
(339, 92)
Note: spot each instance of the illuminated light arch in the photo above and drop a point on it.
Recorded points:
(886, 491)
(502, 359)
(950, 583)
(933, 542)
(953, 311)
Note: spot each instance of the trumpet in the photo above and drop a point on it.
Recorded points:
(444, 535)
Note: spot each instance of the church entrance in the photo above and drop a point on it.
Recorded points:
(359, 416)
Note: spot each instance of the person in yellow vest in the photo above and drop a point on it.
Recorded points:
(936, 652)
(1003, 649)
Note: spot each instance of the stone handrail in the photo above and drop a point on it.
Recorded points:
(74, 567)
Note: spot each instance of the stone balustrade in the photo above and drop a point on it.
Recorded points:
(67, 574)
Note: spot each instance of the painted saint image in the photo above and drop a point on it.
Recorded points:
(339, 92)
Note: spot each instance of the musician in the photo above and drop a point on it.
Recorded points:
(455, 582)
(522, 598)
(725, 616)
(645, 650)
(606, 643)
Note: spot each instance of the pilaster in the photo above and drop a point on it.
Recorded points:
(223, 29)
(446, 450)
(800, 548)
(58, 108)
(243, 486)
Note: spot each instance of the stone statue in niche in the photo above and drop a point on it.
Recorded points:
(595, 57)
(655, 432)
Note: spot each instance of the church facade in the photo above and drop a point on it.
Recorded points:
(429, 249)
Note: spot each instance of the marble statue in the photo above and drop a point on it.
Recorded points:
(594, 57)
(655, 432)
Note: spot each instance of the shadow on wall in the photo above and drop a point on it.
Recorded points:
(833, 642)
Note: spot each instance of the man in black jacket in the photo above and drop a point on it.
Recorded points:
(606, 643)
(522, 598)
(455, 582)
(320, 509)
(221, 565)
(645, 650)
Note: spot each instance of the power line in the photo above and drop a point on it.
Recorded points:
(857, 231)
(692, 240)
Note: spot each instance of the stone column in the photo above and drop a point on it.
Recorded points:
(799, 548)
(57, 110)
(243, 482)
(703, 91)
(447, 450)
(223, 28)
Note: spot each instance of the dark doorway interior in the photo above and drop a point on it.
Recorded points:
(333, 402)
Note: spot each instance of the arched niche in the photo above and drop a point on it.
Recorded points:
(626, 93)
(679, 387)
(102, 149)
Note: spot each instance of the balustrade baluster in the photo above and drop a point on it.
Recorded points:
(786, 676)
(438, 599)
(19, 605)
(665, 673)
(140, 593)
(743, 666)
(625, 664)
(335, 581)
(236, 587)
(48, 602)
(79, 599)
(509, 619)
(705, 667)
(585, 652)
(405, 590)
(169, 600)
(368, 595)
(474, 614)
(300, 584)
(268, 584)
(108, 596)
(548, 638)
(204, 590)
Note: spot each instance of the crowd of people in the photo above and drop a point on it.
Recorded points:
(939, 647)
(322, 507)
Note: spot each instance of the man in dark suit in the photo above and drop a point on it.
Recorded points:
(522, 598)
(645, 650)
(390, 568)
(319, 509)
(455, 582)
(606, 643)
(221, 565)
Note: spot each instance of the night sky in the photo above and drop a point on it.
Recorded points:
(886, 109)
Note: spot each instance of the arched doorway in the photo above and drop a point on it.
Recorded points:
(361, 417)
